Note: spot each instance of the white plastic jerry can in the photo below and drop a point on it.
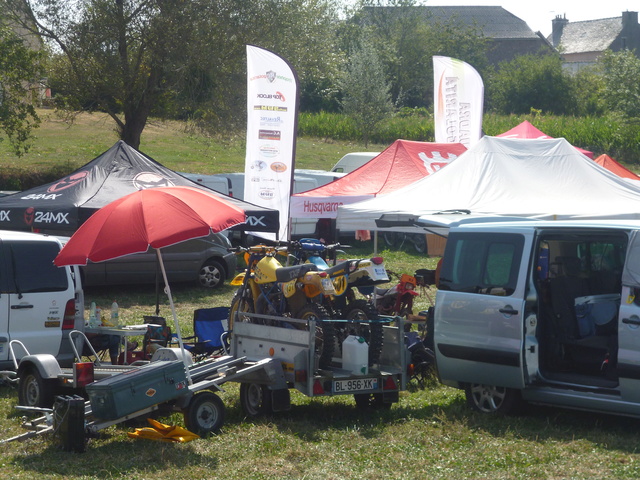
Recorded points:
(355, 355)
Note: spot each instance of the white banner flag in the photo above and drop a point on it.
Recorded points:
(458, 98)
(272, 114)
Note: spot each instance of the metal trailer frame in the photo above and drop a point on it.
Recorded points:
(274, 357)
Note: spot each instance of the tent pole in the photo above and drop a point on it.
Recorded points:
(375, 242)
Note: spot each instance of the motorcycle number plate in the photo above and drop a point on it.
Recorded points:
(327, 286)
(355, 385)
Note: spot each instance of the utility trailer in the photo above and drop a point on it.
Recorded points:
(267, 361)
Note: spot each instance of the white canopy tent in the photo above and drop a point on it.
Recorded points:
(544, 179)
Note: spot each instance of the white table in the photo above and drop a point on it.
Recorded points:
(123, 332)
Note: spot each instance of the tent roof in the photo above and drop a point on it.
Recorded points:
(504, 176)
(400, 164)
(610, 164)
(63, 205)
(527, 130)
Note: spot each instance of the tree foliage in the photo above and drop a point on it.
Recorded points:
(20, 71)
(621, 91)
(366, 97)
(532, 82)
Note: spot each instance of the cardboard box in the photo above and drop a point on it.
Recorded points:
(136, 389)
(435, 245)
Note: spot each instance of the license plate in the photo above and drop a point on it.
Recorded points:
(355, 385)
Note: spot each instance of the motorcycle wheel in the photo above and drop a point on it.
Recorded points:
(325, 334)
(363, 322)
(390, 239)
(240, 304)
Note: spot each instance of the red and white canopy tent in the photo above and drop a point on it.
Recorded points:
(527, 130)
(400, 164)
(610, 164)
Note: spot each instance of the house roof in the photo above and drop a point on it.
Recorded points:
(589, 35)
(495, 22)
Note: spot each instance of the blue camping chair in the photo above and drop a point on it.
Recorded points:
(209, 332)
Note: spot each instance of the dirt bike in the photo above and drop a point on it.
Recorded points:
(267, 287)
(359, 314)
(398, 300)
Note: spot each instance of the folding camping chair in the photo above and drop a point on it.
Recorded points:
(209, 327)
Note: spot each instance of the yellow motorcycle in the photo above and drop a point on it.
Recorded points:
(266, 287)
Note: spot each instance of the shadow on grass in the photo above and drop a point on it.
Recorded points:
(310, 419)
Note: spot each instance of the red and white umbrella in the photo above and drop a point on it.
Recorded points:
(155, 217)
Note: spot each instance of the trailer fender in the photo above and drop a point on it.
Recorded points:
(47, 365)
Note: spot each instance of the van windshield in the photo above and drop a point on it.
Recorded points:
(482, 263)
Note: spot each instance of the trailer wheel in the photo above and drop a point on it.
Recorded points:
(370, 401)
(205, 414)
(491, 399)
(35, 391)
(255, 399)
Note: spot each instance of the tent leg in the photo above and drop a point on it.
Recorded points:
(375, 242)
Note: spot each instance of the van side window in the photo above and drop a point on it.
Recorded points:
(32, 269)
(483, 263)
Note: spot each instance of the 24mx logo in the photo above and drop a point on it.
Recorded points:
(255, 221)
(50, 217)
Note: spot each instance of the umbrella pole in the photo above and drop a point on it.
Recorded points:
(173, 311)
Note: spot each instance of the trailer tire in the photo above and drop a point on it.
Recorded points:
(255, 399)
(325, 331)
(205, 414)
(34, 390)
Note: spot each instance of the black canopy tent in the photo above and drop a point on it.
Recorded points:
(60, 207)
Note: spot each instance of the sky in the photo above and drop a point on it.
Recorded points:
(538, 14)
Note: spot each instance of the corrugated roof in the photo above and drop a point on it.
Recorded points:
(589, 35)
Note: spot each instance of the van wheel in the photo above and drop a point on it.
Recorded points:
(211, 274)
(491, 399)
(35, 391)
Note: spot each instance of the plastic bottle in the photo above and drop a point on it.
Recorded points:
(114, 314)
(93, 318)
(355, 355)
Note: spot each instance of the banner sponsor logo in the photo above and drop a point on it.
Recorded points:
(269, 151)
(69, 181)
(320, 207)
(258, 165)
(29, 215)
(4, 215)
(256, 221)
(271, 96)
(274, 108)
(436, 162)
(32, 216)
(278, 167)
(146, 180)
(269, 134)
(266, 194)
(271, 121)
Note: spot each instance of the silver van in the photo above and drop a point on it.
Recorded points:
(542, 311)
(39, 302)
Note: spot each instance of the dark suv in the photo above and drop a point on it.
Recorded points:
(204, 260)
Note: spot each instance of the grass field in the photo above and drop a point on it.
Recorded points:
(429, 434)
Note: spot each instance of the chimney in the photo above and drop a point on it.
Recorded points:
(629, 19)
(558, 24)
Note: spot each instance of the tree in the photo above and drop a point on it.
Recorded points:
(20, 70)
(621, 92)
(532, 81)
(366, 97)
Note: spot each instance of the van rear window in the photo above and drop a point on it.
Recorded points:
(484, 263)
(31, 269)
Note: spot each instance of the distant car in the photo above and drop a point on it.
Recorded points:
(206, 261)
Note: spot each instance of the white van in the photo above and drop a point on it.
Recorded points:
(214, 182)
(542, 311)
(352, 161)
(39, 302)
